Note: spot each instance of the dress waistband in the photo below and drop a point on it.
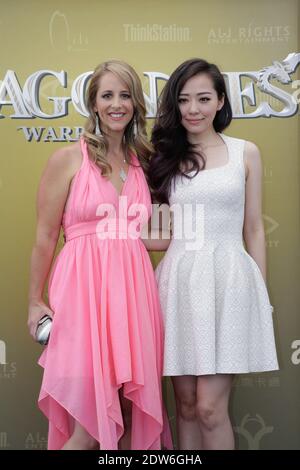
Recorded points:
(112, 229)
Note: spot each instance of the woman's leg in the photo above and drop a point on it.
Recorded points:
(213, 392)
(80, 440)
(188, 432)
(126, 406)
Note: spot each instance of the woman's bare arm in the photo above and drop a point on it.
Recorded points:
(51, 199)
(157, 236)
(254, 234)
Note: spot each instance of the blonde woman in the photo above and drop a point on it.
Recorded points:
(103, 363)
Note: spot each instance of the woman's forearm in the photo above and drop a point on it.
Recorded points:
(41, 260)
(156, 245)
(255, 244)
(157, 240)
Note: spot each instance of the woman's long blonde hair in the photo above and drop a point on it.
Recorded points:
(97, 144)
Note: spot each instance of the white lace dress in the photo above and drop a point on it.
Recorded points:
(216, 308)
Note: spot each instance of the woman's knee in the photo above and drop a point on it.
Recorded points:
(186, 406)
(210, 415)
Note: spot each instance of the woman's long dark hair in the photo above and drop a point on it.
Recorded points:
(172, 151)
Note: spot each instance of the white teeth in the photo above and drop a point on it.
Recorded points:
(117, 115)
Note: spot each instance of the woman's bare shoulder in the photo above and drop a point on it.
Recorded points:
(66, 159)
(252, 158)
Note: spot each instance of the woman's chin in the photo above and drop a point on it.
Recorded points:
(115, 129)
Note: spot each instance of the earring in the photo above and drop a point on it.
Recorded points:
(97, 129)
(135, 128)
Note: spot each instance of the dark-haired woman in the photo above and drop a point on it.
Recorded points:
(218, 317)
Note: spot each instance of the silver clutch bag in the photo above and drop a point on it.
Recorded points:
(43, 330)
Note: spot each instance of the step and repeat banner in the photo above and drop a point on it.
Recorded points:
(48, 51)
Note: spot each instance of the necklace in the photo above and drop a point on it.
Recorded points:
(122, 172)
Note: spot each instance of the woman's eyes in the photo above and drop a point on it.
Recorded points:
(125, 96)
(204, 99)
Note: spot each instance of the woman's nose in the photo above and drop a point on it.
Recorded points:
(193, 108)
(116, 102)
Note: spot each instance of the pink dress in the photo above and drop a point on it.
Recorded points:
(107, 328)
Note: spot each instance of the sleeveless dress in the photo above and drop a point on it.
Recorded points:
(217, 313)
(107, 327)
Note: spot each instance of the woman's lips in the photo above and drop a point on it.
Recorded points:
(116, 116)
(194, 121)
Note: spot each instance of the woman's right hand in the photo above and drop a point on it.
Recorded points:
(37, 309)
